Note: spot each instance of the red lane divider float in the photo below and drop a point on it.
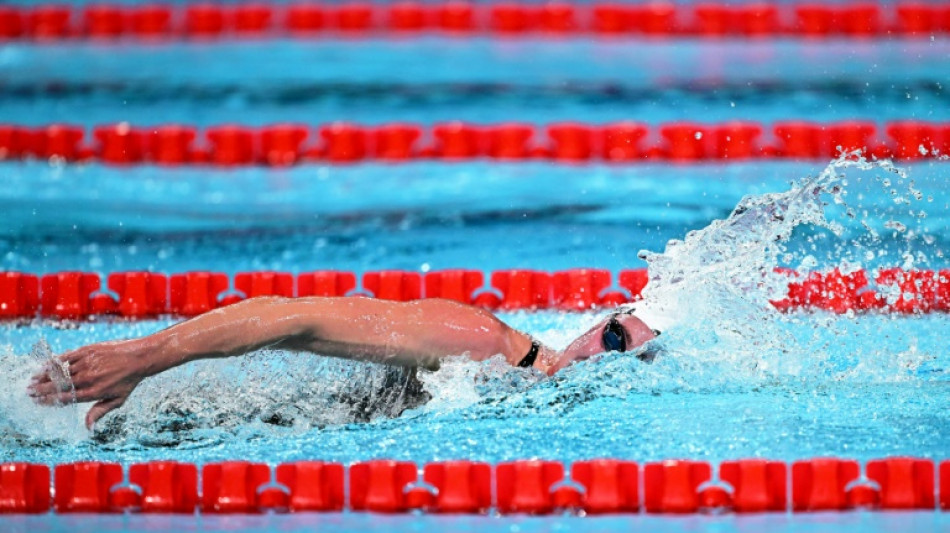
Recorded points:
(140, 295)
(674, 486)
(460, 487)
(164, 487)
(460, 19)
(24, 488)
(282, 145)
(757, 485)
(233, 486)
(380, 486)
(610, 486)
(517, 487)
(312, 485)
(905, 483)
(525, 486)
(85, 487)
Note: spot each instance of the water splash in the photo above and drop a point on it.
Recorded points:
(201, 403)
(22, 420)
(711, 291)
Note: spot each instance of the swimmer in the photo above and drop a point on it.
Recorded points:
(415, 334)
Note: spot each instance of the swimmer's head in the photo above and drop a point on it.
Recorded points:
(618, 332)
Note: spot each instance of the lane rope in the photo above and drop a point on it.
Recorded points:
(536, 487)
(143, 295)
(205, 21)
(565, 142)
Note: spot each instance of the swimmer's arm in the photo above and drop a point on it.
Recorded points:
(416, 333)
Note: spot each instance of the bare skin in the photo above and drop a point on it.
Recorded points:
(415, 334)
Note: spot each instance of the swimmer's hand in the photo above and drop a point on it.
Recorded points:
(105, 373)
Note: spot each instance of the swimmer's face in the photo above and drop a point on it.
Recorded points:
(634, 333)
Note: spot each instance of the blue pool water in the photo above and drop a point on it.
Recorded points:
(486, 81)
(736, 381)
(701, 403)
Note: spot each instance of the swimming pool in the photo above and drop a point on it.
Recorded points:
(737, 381)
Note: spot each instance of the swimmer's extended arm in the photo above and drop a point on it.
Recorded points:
(412, 334)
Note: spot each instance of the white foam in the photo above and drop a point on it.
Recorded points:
(22, 419)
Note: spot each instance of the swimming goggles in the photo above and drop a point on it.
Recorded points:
(614, 337)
